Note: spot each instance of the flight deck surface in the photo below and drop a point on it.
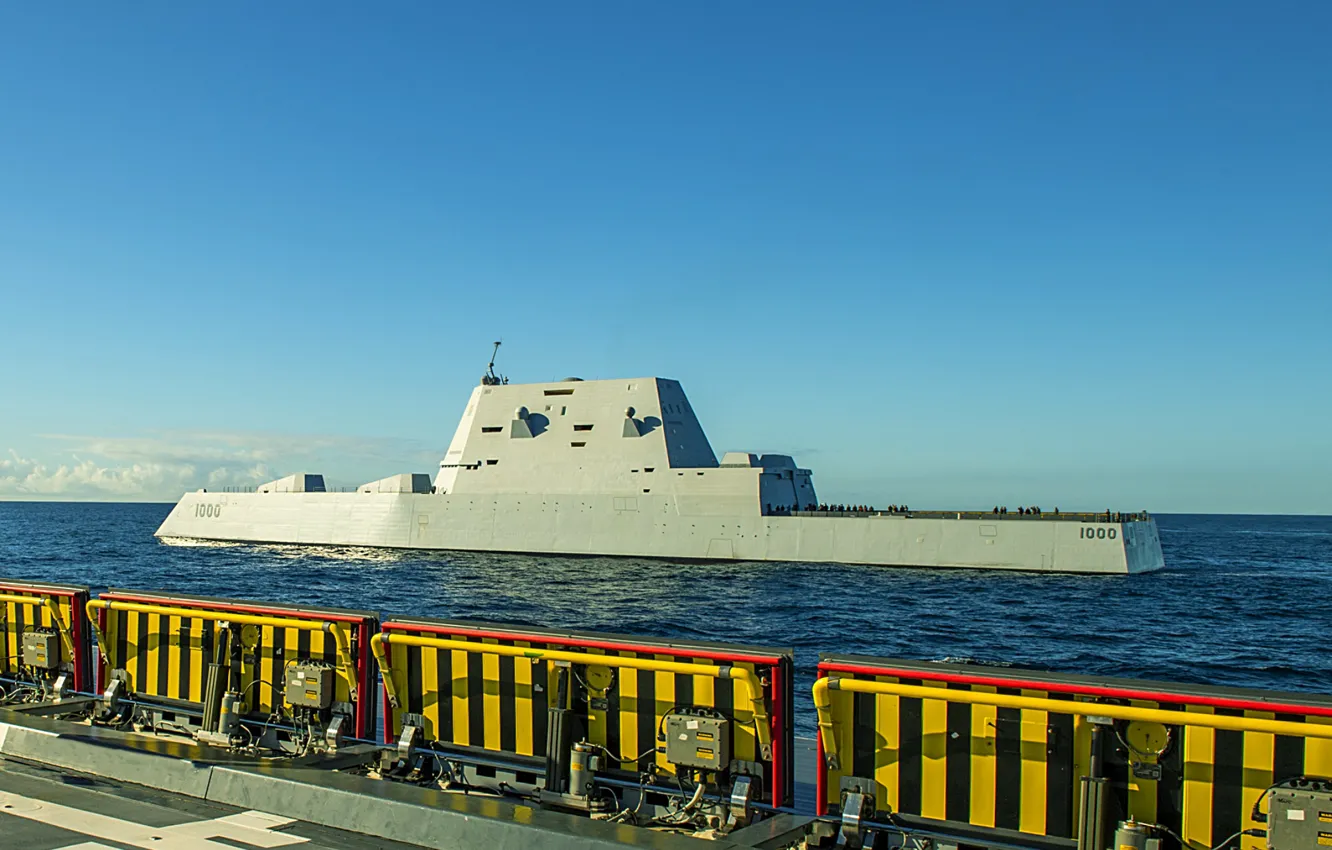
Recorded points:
(45, 808)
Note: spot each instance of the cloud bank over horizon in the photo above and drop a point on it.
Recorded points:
(161, 468)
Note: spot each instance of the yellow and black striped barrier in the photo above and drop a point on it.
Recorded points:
(986, 747)
(161, 646)
(56, 609)
(993, 747)
(490, 686)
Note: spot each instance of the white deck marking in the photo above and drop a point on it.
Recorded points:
(256, 820)
(252, 828)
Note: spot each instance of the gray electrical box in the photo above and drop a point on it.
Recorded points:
(1300, 818)
(41, 650)
(701, 742)
(309, 686)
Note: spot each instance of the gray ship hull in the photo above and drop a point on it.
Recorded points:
(623, 467)
(656, 527)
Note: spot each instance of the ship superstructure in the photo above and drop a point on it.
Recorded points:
(623, 467)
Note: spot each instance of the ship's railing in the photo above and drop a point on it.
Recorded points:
(254, 488)
(1104, 516)
(1071, 516)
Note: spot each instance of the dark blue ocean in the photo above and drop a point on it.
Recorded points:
(1243, 599)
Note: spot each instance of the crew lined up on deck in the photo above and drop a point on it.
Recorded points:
(1031, 511)
(783, 510)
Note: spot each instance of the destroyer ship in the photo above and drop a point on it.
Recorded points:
(623, 468)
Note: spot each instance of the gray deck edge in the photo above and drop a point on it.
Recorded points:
(388, 810)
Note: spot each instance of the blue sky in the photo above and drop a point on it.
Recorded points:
(949, 254)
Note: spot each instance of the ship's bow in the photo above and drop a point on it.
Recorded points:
(1142, 546)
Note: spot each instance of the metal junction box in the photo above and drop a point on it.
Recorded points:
(309, 686)
(41, 649)
(701, 742)
(1299, 818)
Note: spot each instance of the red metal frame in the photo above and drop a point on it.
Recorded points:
(365, 698)
(102, 672)
(777, 736)
(38, 589)
(187, 602)
(82, 647)
(1088, 690)
(826, 667)
(564, 640)
(820, 776)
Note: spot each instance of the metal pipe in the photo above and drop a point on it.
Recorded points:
(716, 671)
(51, 608)
(1096, 765)
(559, 734)
(214, 687)
(337, 630)
(927, 833)
(823, 705)
(674, 791)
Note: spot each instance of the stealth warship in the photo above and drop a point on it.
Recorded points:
(623, 468)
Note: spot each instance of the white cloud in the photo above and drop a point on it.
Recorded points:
(163, 467)
(88, 479)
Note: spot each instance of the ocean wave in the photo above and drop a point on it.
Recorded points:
(1239, 603)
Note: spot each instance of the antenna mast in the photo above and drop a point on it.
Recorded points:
(490, 379)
